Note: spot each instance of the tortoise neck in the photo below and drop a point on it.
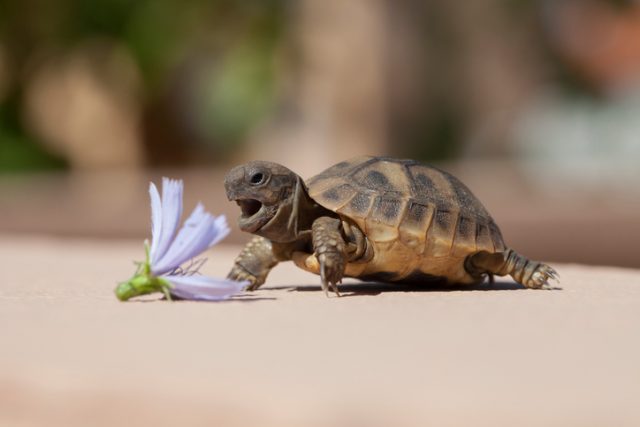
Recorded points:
(294, 216)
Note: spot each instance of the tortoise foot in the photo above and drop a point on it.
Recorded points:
(241, 275)
(541, 276)
(530, 274)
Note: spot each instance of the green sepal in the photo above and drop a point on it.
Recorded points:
(143, 282)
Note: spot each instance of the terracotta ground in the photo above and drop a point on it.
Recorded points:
(72, 355)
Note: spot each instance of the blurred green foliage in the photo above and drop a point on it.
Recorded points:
(208, 68)
(17, 151)
(219, 52)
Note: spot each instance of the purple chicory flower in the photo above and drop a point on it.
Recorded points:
(171, 248)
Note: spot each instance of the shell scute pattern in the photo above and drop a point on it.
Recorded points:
(332, 176)
(431, 186)
(496, 237)
(416, 221)
(483, 238)
(441, 234)
(337, 195)
(424, 208)
(384, 177)
(384, 219)
(388, 210)
(465, 237)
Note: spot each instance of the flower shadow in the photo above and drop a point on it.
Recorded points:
(242, 298)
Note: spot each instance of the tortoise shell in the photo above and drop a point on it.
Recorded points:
(420, 220)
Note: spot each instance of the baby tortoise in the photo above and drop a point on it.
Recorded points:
(373, 218)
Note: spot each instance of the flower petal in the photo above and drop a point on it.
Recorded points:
(156, 217)
(201, 231)
(168, 261)
(222, 229)
(203, 287)
(169, 217)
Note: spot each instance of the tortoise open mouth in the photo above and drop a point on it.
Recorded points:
(254, 215)
(249, 207)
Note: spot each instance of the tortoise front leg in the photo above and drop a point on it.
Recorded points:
(254, 263)
(329, 248)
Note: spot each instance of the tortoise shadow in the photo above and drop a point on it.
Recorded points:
(377, 288)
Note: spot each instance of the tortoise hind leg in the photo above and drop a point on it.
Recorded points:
(531, 274)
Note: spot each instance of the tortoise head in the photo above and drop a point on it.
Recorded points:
(270, 197)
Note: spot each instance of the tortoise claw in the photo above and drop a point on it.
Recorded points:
(330, 274)
(241, 275)
(540, 278)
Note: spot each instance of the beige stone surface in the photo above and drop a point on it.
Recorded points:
(72, 355)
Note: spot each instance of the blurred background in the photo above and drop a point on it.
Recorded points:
(535, 104)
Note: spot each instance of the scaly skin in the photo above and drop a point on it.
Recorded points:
(331, 250)
(254, 263)
(531, 274)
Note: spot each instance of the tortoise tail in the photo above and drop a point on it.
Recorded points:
(531, 274)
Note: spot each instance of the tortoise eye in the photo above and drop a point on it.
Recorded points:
(257, 178)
